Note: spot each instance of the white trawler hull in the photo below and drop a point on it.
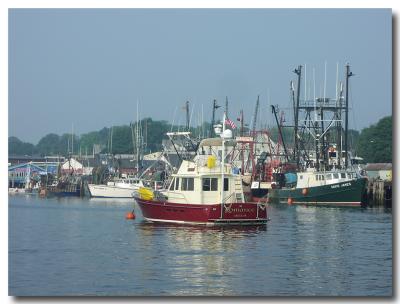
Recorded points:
(110, 191)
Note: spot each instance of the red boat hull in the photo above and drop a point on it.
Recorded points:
(236, 213)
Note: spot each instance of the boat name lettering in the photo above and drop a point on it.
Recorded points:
(239, 210)
(342, 185)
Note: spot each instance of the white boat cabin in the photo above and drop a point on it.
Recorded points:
(317, 178)
(200, 182)
(131, 183)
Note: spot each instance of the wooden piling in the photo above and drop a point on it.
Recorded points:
(379, 193)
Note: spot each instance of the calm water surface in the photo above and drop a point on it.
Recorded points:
(76, 246)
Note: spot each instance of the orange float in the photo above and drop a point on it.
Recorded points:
(130, 215)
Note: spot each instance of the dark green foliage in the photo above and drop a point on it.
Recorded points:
(17, 147)
(375, 142)
(154, 132)
(121, 140)
(50, 145)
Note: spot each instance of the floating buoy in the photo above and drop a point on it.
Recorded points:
(304, 191)
(130, 215)
(290, 201)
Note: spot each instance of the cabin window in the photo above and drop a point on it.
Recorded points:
(343, 175)
(210, 184)
(322, 177)
(188, 184)
(177, 184)
(206, 184)
(301, 176)
(335, 175)
(172, 186)
(328, 176)
(214, 184)
(226, 184)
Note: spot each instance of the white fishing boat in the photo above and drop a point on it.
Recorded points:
(119, 188)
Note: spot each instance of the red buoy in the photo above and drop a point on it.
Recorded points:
(290, 201)
(130, 215)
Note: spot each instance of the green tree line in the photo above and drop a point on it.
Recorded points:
(374, 143)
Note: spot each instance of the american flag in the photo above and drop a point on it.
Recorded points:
(230, 123)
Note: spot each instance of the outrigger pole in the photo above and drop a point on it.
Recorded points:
(280, 132)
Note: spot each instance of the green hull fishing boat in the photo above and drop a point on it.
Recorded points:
(318, 169)
(348, 192)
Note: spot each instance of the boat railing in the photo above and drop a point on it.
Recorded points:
(228, 197)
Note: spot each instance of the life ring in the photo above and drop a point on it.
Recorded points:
(304, 191)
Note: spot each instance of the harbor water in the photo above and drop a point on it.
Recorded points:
(74, 246)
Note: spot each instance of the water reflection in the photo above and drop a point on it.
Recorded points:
(111, 201)
(301, 251)
(200, 256)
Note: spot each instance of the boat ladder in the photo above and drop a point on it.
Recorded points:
(239, 191)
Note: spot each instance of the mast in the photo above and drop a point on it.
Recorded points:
(241, 135)
(339, 127)
(223, 164)
(348, 75)
(255, 115)
(187, 115)
(296, 116)
(226, 106)
(72, 140)
(137, 139)
(215, 106)
(111, 139)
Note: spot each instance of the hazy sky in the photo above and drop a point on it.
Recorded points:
(90, 67)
